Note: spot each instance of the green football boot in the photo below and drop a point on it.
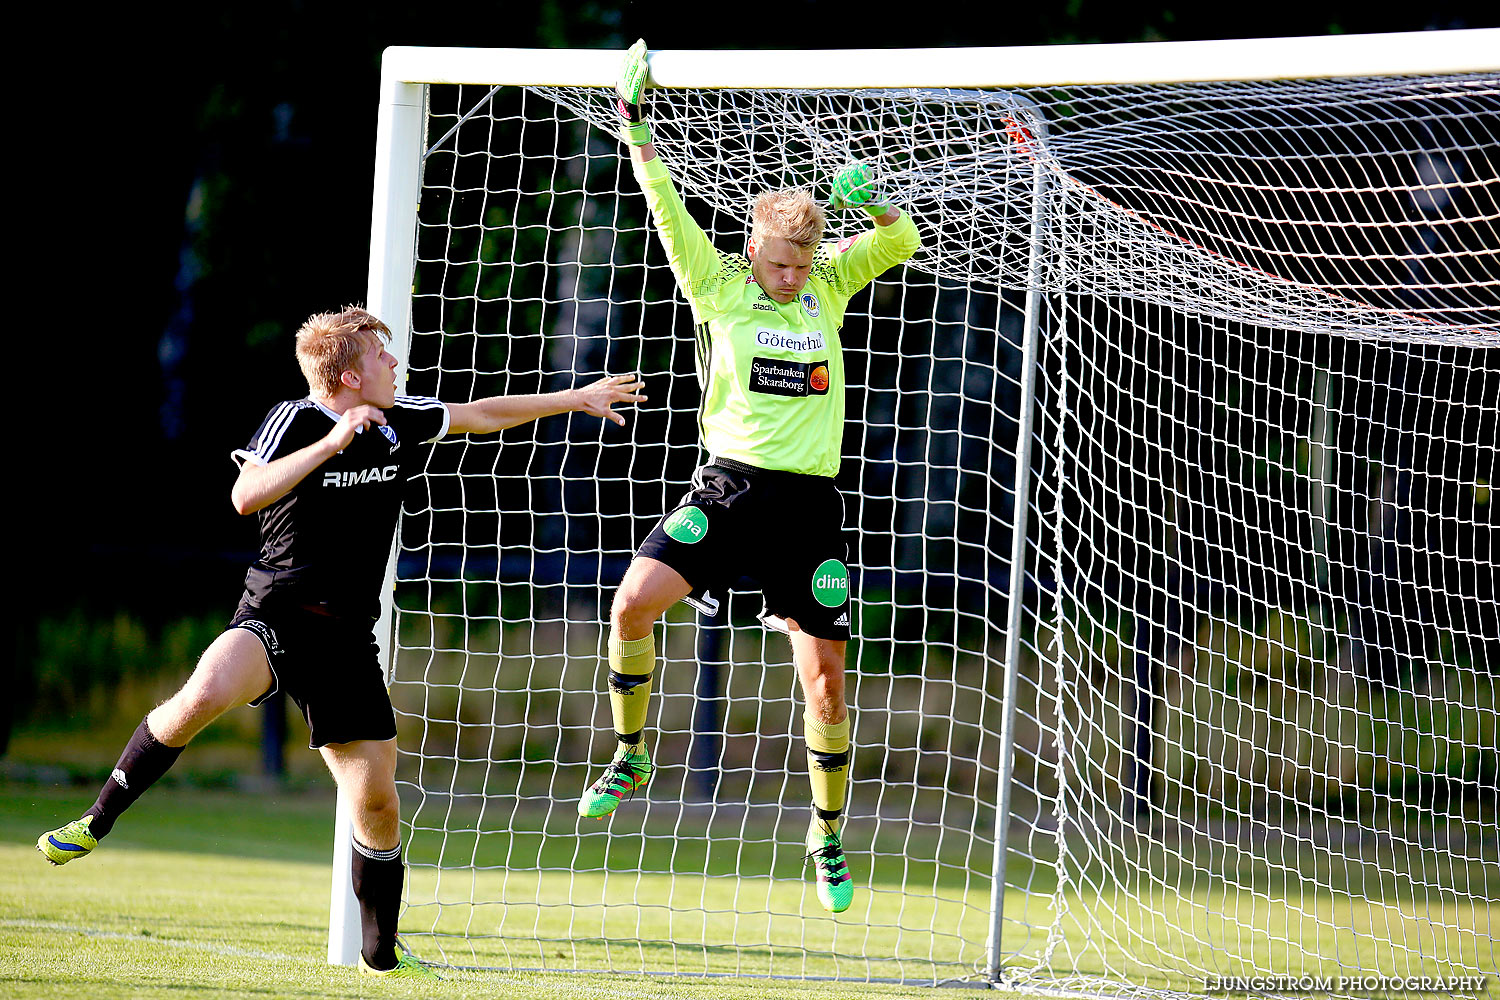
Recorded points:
(407, 967)
(627, 772)
(68, 842)
(835, 886)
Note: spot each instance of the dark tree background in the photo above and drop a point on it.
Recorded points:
(196, 179)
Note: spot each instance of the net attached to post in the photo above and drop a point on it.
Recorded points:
(1256, 720)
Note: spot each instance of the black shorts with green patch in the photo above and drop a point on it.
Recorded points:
(783, 531)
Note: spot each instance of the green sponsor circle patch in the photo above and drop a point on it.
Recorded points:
(830, 583)
(687, 525)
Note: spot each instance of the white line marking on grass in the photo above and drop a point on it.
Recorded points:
(94, 932)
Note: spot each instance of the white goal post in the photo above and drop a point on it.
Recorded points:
(1168, 470)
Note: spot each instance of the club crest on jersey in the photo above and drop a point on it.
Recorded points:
(390, 435)
(810, 303)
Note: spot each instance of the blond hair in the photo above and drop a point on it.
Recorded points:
(329, 344)
(790, 214)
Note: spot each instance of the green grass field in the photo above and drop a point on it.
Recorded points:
(219, 894)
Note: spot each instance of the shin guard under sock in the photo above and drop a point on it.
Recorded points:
(827, 771)
(377, 877)
(631, 664)
(144, 760)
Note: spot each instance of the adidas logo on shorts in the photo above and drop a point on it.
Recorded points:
(842, 619)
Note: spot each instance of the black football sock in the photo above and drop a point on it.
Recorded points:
(378, 877)
(144, 761)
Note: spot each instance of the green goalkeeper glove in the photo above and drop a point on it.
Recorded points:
(854, 187)
(633, 126)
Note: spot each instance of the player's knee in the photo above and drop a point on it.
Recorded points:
(825, 700)
(226, 676)
(384, 809)
(823, 687)
(629, 616)
(378, 809)
(194, 706)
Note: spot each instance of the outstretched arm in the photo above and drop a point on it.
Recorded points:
(634, 128)
(690, 253)
(496, 413)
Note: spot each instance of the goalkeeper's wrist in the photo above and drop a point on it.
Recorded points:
(875, 211)
(635, 133)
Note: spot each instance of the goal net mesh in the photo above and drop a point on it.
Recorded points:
(1256, 718)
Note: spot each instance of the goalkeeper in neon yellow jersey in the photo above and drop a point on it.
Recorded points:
(765, 506)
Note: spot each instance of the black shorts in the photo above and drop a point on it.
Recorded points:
(782, 530)
(329, 666)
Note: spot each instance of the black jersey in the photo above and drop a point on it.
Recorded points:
(326, 543)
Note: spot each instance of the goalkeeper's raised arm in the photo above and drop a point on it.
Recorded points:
(694, 259)
(765, 505)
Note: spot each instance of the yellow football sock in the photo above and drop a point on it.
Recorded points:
(828, 772)
(631, 664)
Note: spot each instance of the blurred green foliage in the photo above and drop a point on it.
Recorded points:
(93, 670)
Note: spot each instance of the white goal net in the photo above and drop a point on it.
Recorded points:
(1227, 354)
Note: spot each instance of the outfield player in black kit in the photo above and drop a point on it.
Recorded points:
(324, 476)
